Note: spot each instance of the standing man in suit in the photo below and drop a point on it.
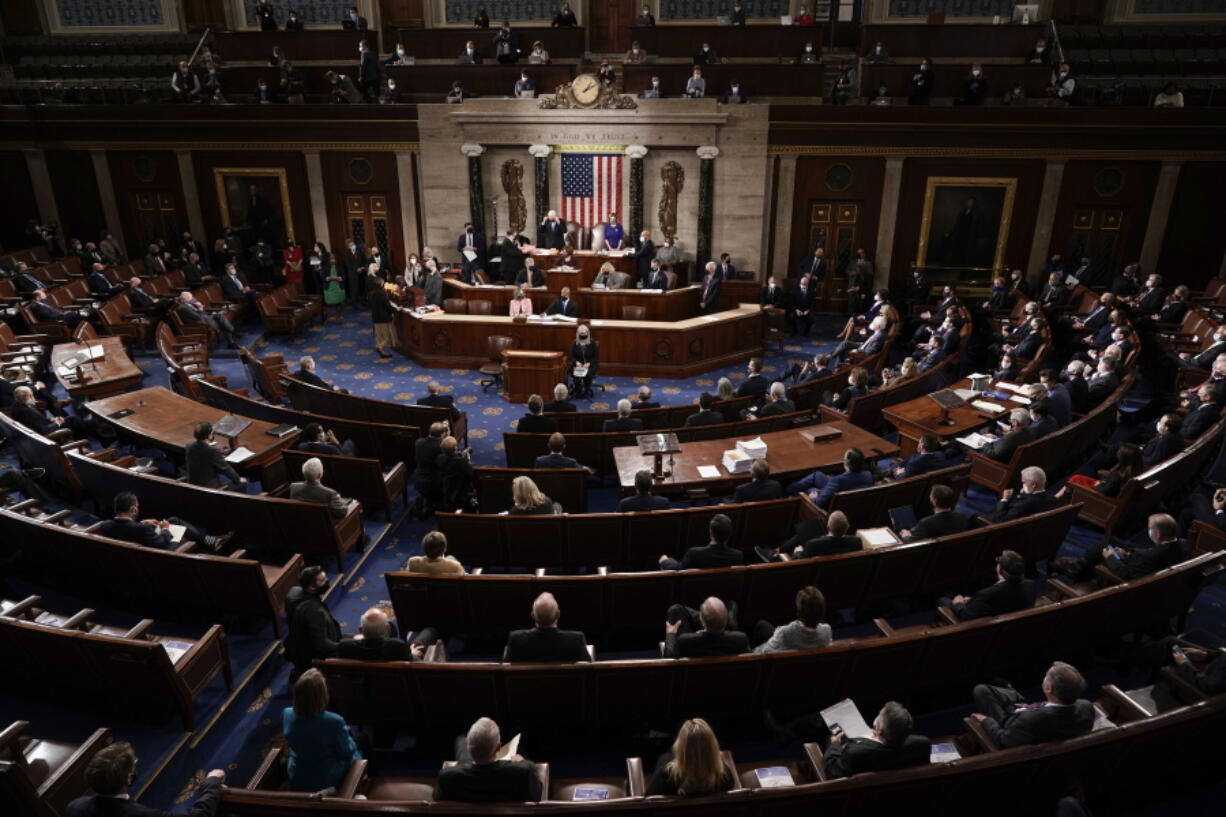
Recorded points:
(480, 777)
(313, 490)
(815, 265)
(545, 642)
(706, 414)
(368, 72)
(624, 421)
(891, 746)
(205, 463)
(564, 305)
(353, 21)
(715, 554)
(474, 242)
(354, 261)
(127, 526)
(643, 256)
(943, 520)
(313, 631)
(110, 774)
(803, 293)
(1009, 593)
(512, 258)
(643, 499)
(708, 300)
(771, 296)
(552, 232)
(1009, 721)
(702, 633)
(1032, 499)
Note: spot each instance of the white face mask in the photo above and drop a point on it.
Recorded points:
(808, 49)
(400, 52)
(976, 73)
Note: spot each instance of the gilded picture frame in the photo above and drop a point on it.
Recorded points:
(966, 222)
(274, 220)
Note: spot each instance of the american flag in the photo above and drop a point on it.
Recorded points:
(591, 187)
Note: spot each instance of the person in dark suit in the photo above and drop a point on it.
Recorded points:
(644, 255)
(1097, 317)
(1059, 397)
(306, 373)
(456, 474)
(1032, 499)
(1204, 669)
(891, 746)
(1011, 722)
(545, 642)
(470, 55)
(835, 540)
(25, 281)
(473, 241)
(1151, 300)
(1002, 449)
(564, 305)
(814, 266)
(706, 415)
(316, 439)
(943, 520)
(533, 422)
(1078, 388)
(624, 421)
(376, 643)
(26, 412)
(643, 499)
(127, 526)
(235, 290)
(1165, 549)
(820, 487)
(353, 259)
(206, 465)
(512, 258)
(656, 277)
(1204, 416)
(110, 774)
(760, 487)
(1041, 421)
(480, 777)
(771, 295)
(193, 313)
(99, 284)
(552, 234)
(561, 400)
(755, 385)
(878, 332)
(427, 478)
(716, 554)
(146, 304)
(1010, 592)
(713, 636)
(777, 402)
(313, 631)
(708, 300)
(435, 398)
(530, 275)
(555, 458)
(1204, 360)
(1168, 442)
(803, 293)
(1028, 346)
(584, 351)
(927, 457)
(643, 399)
(48, 312)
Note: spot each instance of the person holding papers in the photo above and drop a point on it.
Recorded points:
(482, 774)
(127, 526)
(1002, 449)
(820, 488)
(890, 745)
(584, 357)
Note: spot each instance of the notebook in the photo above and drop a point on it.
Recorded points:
(177, 531)
(708, 471)
(283, 430)
(902, 518)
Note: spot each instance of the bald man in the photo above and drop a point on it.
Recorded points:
(545, 642)
(714, 638)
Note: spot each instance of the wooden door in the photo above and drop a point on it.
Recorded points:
(1098, 235)
(833, 227)
(366, 222)
(608, 24)
(156, 217)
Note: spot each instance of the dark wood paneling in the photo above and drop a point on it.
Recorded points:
(974, 40)
(21, 17)
(139, 173)
(1195, 243)
(200, 13)
(770, 41)
(294, 165)
(949, 76)
(1132, 202)
(17, 205)
(756, 79)
(448, 43)
(402, 12)
(422, 83)
(76, 193)
(336, 45)
(338, 181)
(1029, 175)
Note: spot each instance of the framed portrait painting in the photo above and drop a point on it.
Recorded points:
(966, 222)
(254, 201)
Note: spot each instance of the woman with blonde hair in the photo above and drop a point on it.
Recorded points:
(321, 748)
(909, 368)
(527, 499)
(693, 767)
(521, 304)
(584, 356)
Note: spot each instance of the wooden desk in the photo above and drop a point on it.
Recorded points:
(921, 416)
(112, 373)
(765, 41)
(915, 40)
(790, 455)
(757, 79)
(448, 43)
(674, 305)
(528, 373)
(948, 77)
(297, 46)
(166, 420)
(585, 270)
(661, 348)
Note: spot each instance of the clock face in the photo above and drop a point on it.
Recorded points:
(586, 89)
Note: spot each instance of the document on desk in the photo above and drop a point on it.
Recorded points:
(239, 454)
(846, 716)
(1013, 387)
(708, 471)
(984, 405)
(974, 440)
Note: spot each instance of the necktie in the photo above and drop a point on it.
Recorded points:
(468, 237)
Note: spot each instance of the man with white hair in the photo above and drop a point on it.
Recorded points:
(561, 400)
(711, 282)
(545, 642)
(1032, 499)
(871, 345)
(26, 411)
(1002, 449)
(143, 302)
(193, 313)
(643, 399)
(623, 422)
(552, 232)
(683, 640)
(313, 490)
(1078, 388)
(777, 401)
(480, 777)
(376, 643)
(306, 373)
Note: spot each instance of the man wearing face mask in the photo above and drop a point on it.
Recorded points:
(293, 22)
(735, 95)
(1063, 86)
(974, 87)
(877, 54)
(922, 82)
(654, 90)
(635, 55)
(399, 57)
(808, 55)
(706, 56)
(643, 257)
(390, 95)
(844, 84)
(263, 95)
(354, 260)
(368, 71)
(1039, 55)
(471, 246)
(353, 21)
(553, 232)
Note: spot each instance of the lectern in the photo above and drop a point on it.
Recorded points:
(527, 373)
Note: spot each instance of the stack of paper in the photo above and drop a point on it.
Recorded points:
(990, 408)
(877, 537)
(708, 471)
(590, 793)
(755, 448)
(736, 462)
(1013, 387)
(974, 440)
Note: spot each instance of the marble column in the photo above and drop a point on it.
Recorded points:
(1045, 221)
(706, 204)
(44, 195)
(636, 154)
(780, 242)
(191, 196)
(319, 200)
(891, 188)
(476, 191)
(106, 194)
(1159, 215)
(408, 201)
(540, 179)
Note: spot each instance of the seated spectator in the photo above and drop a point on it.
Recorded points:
(435, 560)
(456, 472)
(696, 86)
(564, 305)
(1163, 549)
(653, 90)
(857, 386)
(760, 487)
(623, 422)
(1102, 384)
(702, 633)
(127, 526)
(1204, 416)
(814, 538)
(803, 18)
(306, 373)
(1010, 592)
(636, 55)
(110, 774)
(1128, 464)
(715, 554)
(555, 458)
(343, 89)
(1176, 305)
(206, 465)
(321, 748)
(807, 632)
(874, 343)
(1009, 721)
(643, 399)
(520, 304)
(312, 489)
(313, 631)
(1169, 97)
(890, 746)
(48, 312)
(943, 521)
(1032, 499)
(533, 422)
(1166, 443)
(734, 95)
(25, 481)
(1002, 448)
(820, 487)
(932, 354)
(545, 642)
(375, 642)
(694, 767)
(192, 313)
(538, 55)
(480, 777)
(643, 499)
(1008, 368)
(457, 91)
(318, 440)
(1204, 669)
(427, 478)
(755, 384)
(527, 499)
(777, 402)
(928, 457)
(185, 83)
(1041, 421)
(99, 284)
(25, 410)
(724, 390)
(435, 397)
(813, 369)
(706, 415)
